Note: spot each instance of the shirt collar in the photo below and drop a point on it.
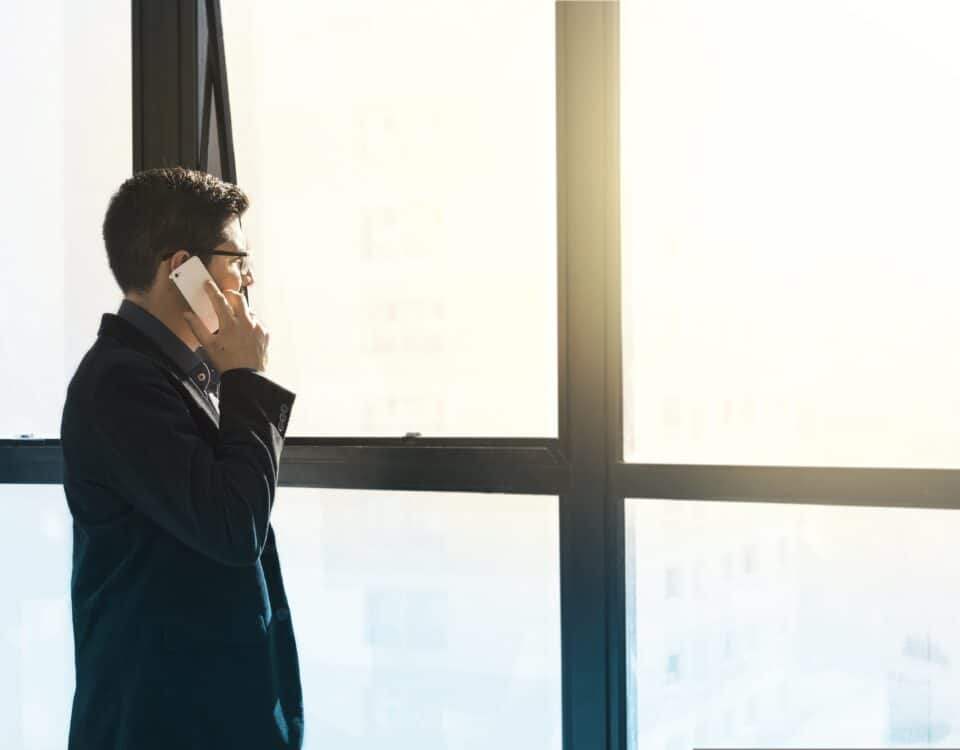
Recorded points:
(195, 364)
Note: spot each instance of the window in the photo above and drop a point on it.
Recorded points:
(69, 140)
(424, 619)
(789, 240)
(403, 188)
(36, 636)
(753, 333)
(869, 648)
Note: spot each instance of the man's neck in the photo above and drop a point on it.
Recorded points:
(169, 313)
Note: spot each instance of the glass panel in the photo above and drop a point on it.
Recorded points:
(400, 159)
(66, 73)
(424, 620)
(36, 631)
(789, 232)
(767, 625)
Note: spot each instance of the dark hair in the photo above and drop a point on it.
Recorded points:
(158, 211)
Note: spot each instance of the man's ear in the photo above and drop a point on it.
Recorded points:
(178, 258)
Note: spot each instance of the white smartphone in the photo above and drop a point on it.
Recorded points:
(189, 277)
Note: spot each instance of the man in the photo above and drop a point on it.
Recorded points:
(171, 441)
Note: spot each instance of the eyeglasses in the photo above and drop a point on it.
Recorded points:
(244, 264)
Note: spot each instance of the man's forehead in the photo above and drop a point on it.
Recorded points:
(233, 247)
(235, 239)
(232, 230)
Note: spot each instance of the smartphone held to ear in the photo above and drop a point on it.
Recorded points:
(189, 277)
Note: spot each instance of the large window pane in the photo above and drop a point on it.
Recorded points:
(36, 632)
(401, 163)
(764, 625)
(67, 135)
(424, 620)
(789, 231)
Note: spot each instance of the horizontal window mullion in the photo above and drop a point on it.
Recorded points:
(435, 477)
(38, 462)
(877, 487)
(427, 442)
(483, 468)
(491, 454)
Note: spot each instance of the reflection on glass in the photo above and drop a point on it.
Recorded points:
(36, 633)
(765, 625)
(400, 159)
(789, 234)
(424, 620)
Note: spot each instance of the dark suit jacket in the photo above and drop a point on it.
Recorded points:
(182, 631)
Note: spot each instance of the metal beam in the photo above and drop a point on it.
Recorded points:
(591, 520)
(461, 465)
(895, 488)
(31, 462)
(457, 465)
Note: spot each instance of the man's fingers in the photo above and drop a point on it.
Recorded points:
(237, 303)
(233, 297)
(220, 305)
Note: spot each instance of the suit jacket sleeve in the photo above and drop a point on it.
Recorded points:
(215, 499)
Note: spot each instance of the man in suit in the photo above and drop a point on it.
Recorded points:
(171, 441)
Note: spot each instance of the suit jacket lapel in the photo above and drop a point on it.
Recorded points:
(128, 334)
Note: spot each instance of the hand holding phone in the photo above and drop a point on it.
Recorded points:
(240, 340)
